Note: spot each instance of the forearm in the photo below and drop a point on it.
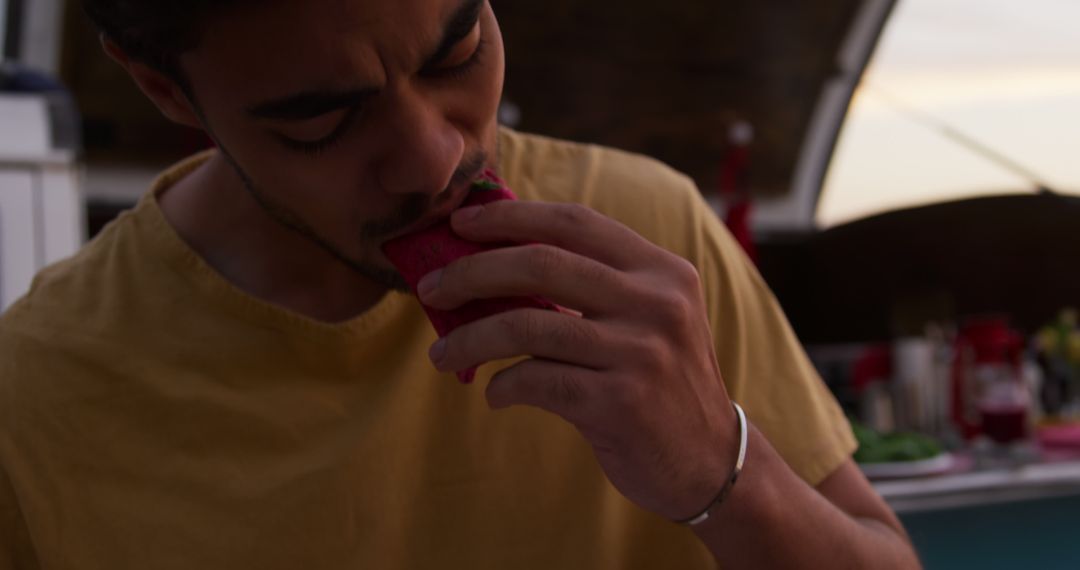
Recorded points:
(773, 519)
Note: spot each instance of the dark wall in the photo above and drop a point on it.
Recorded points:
(888, 275)
(668, 78)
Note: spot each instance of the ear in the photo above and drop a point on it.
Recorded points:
(165, 93)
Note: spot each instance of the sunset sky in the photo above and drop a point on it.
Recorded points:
(1001, 73)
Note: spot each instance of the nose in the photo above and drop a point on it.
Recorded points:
(419, 148)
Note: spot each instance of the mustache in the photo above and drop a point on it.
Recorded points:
(414, 206)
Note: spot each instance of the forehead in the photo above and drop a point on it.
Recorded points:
(265, 49)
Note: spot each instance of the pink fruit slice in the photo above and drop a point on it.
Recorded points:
(418, 254)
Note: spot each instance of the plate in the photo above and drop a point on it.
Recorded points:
(903, 469)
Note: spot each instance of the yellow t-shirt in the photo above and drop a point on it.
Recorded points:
(152, 416)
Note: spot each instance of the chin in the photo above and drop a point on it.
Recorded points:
(386, 277)
(375, 268)
(397, 283)
(380, 270)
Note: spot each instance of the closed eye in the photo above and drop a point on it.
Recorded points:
(317, 135)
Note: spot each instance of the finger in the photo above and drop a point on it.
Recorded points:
(571, 312)
(564, 277)
(526, 332)
(559, 388)
(572, 227)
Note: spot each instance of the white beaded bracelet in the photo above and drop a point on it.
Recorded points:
(730, 483)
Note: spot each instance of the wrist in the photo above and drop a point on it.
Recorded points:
(729, 481)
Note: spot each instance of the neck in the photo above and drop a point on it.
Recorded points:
(217, 217)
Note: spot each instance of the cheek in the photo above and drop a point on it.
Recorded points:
(324, 192)
(475, 111)
(321, 191)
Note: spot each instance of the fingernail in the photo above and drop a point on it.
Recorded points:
(466, 215)
(429, 283)
(437, 351)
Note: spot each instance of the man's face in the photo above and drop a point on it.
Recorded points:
(356, 119)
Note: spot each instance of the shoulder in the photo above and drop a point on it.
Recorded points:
(107, 274)
(72, 309)
(66, 293)
(52, 336)
(643, 193)
(545, 167)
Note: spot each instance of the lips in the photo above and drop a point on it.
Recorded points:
(457, 197)
(418, 253)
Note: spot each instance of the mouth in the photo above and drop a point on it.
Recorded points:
(444, 204)
(417, 215)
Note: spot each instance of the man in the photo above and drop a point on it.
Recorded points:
(229, 376)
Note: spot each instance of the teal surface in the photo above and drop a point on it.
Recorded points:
(1042, 534)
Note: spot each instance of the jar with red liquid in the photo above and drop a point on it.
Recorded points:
(989, 392)
(1004, 411)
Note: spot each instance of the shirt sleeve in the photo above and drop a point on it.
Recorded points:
(764, 365)
(15, 550)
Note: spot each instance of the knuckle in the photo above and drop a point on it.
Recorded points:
(585, 332)
(456, 274)
(544, 261)
(674, 309)
(572, 333)
(600, 273)
(686, 274)
(564, 390)
(574, 214)
(523, 326)
(651, 351)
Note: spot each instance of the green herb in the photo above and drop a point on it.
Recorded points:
(886, 448)
(485, 185)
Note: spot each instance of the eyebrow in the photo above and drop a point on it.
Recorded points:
(311, 104)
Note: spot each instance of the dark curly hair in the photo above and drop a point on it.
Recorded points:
(154, 32)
